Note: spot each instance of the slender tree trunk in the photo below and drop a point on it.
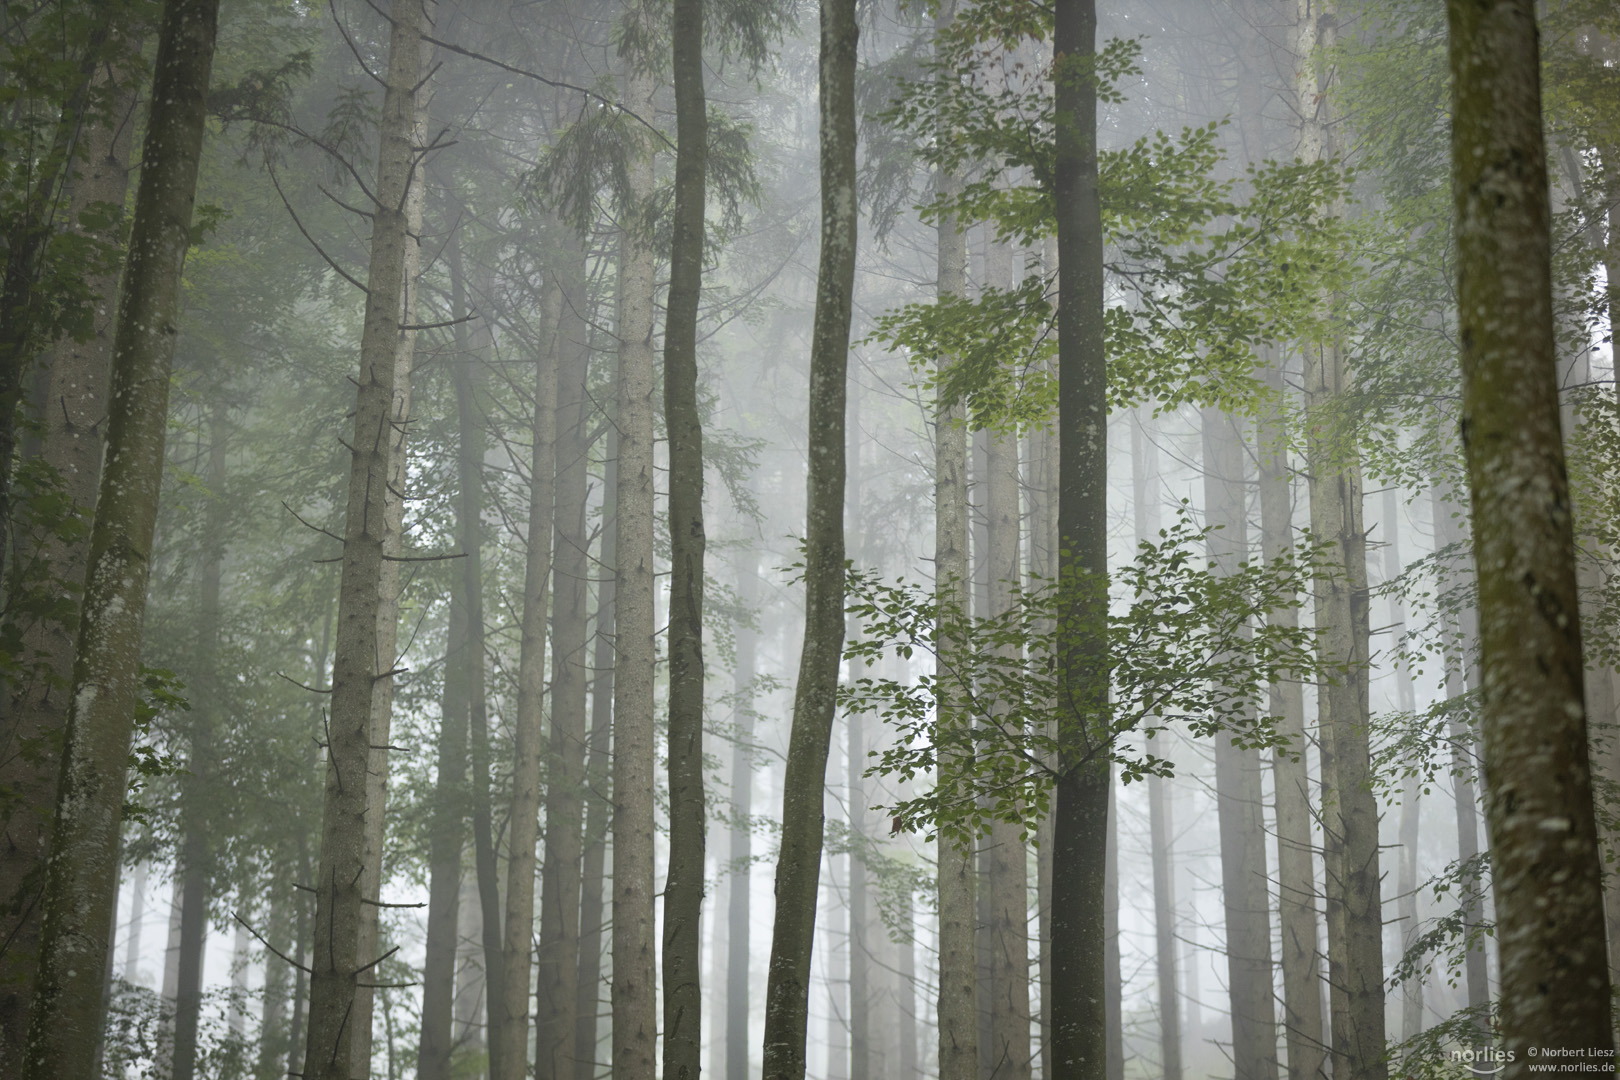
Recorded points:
(739, 924)
(556, 1009)
(71, 446)
(357, 668)
(1080, 814)
(857, 910)
(1161, 829)
(1546, 869)
(1411, 786)
(1458, 636)
(1007, 882)
(683, 890)
(82, 877)
(196, 855)
(382, 699)
(635, 1004)
(599, 779)
(1237, 789)
(512, 1030)
(446, 836)
(273, 1045)
(1350, 810)
(1296, 876)
(958, 1015)
(908, 995)
(815, 698)
(137, 919)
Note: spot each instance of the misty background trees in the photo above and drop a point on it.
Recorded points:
(866, 542)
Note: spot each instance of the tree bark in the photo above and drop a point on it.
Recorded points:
(196, 854)
(815, 698)
(635, 1005)
(598, 777)
(82, 875)
(382, 700)
(71, 447)
(1007, 882)
(957, 1007)
(739, 902)
(1350, 810)
(1296, 875)
(357, 667)
(556, 1007)
(1411, 786)
(683, 889)
(512, 1028)
(1080, 814)
(1546, 868)
(1161, 829)
(1237, 789)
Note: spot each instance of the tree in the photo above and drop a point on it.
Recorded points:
(356, 672)
(81, 886)
(798, 867)
(1547, 877)
(683, 891)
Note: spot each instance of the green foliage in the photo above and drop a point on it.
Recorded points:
(1184, 644)
(140, 1033)
(1205, 271)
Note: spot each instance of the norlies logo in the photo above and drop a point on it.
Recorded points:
(1486, 1062)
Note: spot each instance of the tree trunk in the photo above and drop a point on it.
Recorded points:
(598, 778)
(1411, 786)
(1350, 810)
(683, 889)
(357, 670)
(1161, 830)
(272, 1043)
(1237, 788)
(739, 923)
(556, 1008)
(1007, 882)
(446, 836)
(1296, 875)
(958, 1013)
(382, 699)
(82, 878)
(635, 1004)
(1080, 813)
(512, 1028)
(815, 698)
(1546, 869)
(196, 855)
(71, 446)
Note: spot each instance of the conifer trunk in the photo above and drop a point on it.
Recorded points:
(1546, 870)
(635, 989)
(196, 855)
(683, 889)
(599, 780)
(741, 835)
(82, 876)
(511, 1030)
(815, 697)
(556, 1008)
(339, 966)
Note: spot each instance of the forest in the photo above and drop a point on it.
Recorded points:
(869, 540)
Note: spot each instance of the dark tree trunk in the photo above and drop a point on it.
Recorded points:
(1546, 869)
(815, 699)
(1080, 813)
(82, 879)
(683, 890)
